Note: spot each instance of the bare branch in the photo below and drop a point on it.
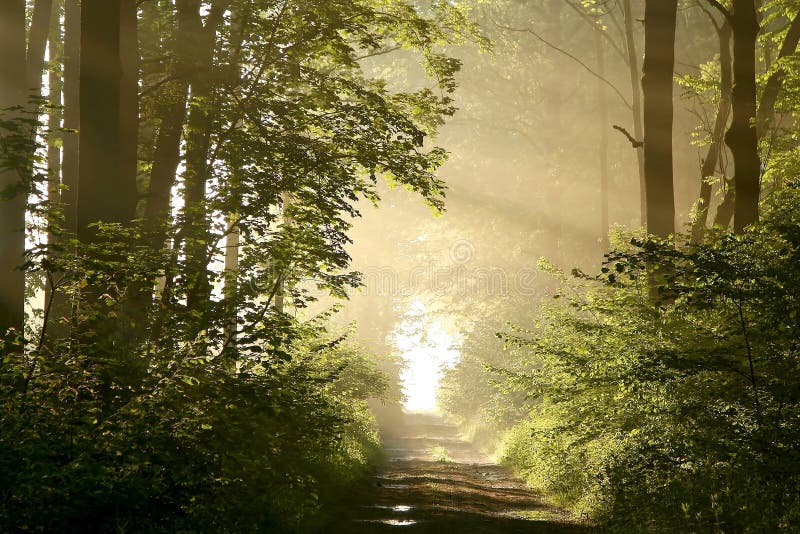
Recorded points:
(634, 142)
(572, 57)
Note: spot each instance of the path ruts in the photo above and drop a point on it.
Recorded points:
(434, 481)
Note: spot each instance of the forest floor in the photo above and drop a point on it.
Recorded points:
(434, 481)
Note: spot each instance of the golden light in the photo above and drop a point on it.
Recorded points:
(426, 346)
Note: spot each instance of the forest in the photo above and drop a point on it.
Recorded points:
(368, 265)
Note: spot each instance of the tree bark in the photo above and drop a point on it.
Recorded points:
(659, 63)
(129, 101)
(741, 137)
(717, 135)
(106, 187)
(69, 162)
(12, 210)
(58, 302)
(636, 101)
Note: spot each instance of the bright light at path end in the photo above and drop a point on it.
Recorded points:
(425, 346)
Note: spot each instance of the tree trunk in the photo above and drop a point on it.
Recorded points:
(69, 163)
(717, 135)
(129, 101)
(37, 41)
(232, 278)
(659, 63)
(12, 211)
(195, 177)
(106, 185)
(603, 147)
(636, 100)
(172, 118)
(741, 137)
(725, 209)
(766, 109)
(57, 301)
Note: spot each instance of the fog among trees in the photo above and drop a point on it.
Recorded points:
(354, 266)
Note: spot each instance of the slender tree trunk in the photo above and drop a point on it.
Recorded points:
(129, 101)
(12, 210)
(172, 118)
(55, 115)
(636, 99)
(69, 162)
(741, 137)
(717, 135)
(766, 109)
(37, 41)
(232, 278)
(603, 148)
(659, 63)
(58, 301)
(198, 138)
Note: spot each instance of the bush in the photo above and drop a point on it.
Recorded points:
(668, 387)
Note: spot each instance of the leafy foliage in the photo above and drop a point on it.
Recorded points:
(169, 383)
(669, 402)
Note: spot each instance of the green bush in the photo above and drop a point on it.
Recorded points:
(667, 389)
(196, 447)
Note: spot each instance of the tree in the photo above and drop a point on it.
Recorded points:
(742, 137)
(636, 101)
(716, 147)
(12, 222)
(766, 107)
(659, 60)
(107, 183)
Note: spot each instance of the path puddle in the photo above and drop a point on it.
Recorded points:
(399, 522)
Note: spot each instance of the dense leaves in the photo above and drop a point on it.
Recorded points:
(171, 377)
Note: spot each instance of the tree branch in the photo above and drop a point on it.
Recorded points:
(722, 9)
(572, 57)
(634, 142)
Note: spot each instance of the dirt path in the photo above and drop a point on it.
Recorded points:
(434, 481)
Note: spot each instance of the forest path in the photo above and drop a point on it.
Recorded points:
(434, 481)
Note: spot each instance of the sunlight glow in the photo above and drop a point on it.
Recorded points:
(426, 346)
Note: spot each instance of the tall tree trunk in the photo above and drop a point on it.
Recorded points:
(195, 177)
(12, 210)
(741, 137)
(717, 135)
(603, 147)
(57, 301)
(104, 193)
(232, 278)
(129, 100)
(766, 109)
(172, 118)
(195, 56)
(636, 100)
(72, 108)
(659, 63)
(37, 41)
